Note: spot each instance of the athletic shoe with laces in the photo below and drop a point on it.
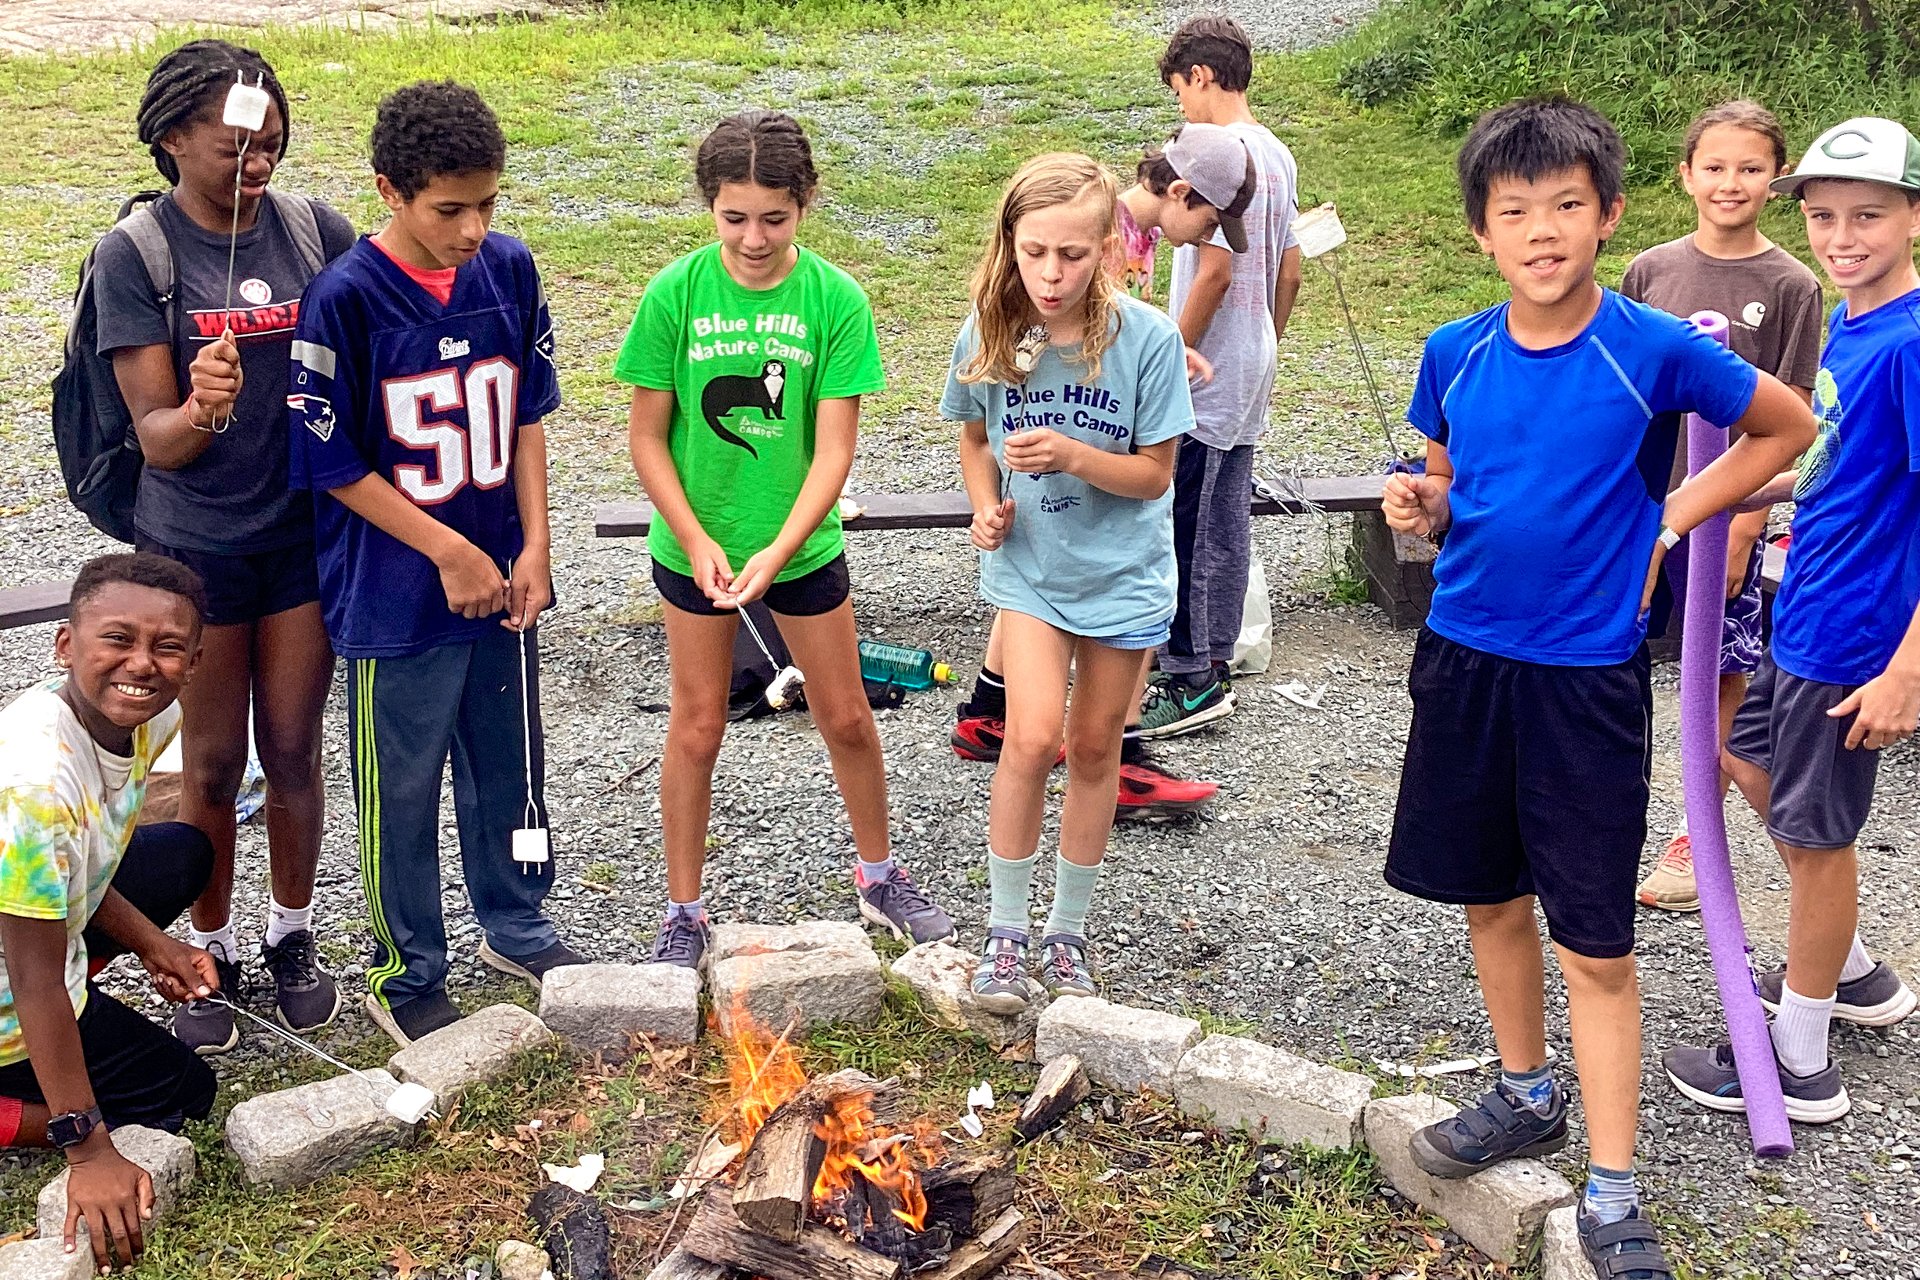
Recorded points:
(1501, 1126)
(897, 905)
(1000, 979)
(533, 968)
(208, 1027)
(1876, 999)
(305, 996)
(683, 940)
(980, 738)
(411, 1019)
(1172, 706)
(1625, 1250)
(1150, 794)
(1063, 966)
(1670, 885)
(1708, 1077)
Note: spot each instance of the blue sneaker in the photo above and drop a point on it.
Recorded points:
(1623, 1250)
(1501, 1126)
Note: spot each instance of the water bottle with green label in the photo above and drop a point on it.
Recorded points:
(895, 664)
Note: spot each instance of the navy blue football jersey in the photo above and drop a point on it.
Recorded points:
(387, 381)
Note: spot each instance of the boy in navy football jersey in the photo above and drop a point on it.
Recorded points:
(1842, 680)
(422, 371)
(1551, 422)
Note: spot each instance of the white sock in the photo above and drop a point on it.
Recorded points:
(1859, 964)
(223, 936)
(1800, 1032)
(282, 921)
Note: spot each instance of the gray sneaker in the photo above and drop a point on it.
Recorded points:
(1063, 966)
(1709, 1078)
(683, 941)
(1000, 979)
(896, 904)
(305, 996)
(207, 1026)
(1877, 999)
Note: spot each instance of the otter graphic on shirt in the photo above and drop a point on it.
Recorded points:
(734, 393)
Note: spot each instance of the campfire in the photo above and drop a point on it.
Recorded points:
(820, 1179)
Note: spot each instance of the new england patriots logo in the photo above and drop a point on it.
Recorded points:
(317, 411)
(543, 345)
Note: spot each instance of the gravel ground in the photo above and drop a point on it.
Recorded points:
(1270, 909)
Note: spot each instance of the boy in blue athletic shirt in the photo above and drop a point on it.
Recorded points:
(1552, 421)
(422, 369)
(1842, 680)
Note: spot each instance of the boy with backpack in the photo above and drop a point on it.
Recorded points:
(424, 366)
(1232, 297)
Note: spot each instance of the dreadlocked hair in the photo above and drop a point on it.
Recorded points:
(1000, 302)
(193, 79)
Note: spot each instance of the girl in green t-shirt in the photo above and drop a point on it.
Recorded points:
(748, 358)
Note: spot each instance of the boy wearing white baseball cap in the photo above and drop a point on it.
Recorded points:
(1842, 679)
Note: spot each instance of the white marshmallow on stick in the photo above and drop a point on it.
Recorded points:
(246, 107)
(410, 1103)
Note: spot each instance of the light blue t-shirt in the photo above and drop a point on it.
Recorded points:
(1561, 457)
(1853, 571)
(1089, 562)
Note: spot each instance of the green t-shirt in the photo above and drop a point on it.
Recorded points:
(746, 368)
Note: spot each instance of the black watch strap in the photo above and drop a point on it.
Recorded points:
(74, 1127)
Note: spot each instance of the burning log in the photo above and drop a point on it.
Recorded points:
(776, 1181)
(1061, 1087)
(716, 1235)
(967, 1197)
(988, 1252)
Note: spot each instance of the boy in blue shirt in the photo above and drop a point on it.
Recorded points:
(1842, 680)
(422, 370)
(1552, 421)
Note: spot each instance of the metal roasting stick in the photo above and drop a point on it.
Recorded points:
(385, 1095)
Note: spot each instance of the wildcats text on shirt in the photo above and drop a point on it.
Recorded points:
(765, 335)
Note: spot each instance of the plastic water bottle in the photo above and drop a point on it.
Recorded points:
(908, 668)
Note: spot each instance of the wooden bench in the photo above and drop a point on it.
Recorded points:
(41, 602)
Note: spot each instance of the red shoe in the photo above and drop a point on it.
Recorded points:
(1149, 795)
(980, 738)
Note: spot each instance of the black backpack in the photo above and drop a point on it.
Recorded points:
(93, 431)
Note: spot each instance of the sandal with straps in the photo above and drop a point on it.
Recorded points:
(1625, 1250)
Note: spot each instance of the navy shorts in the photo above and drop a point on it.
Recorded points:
(807, 596)
(1525, 779)
(1819, 792)
(249, 586)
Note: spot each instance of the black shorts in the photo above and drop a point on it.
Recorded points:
(807, 596)
(1521, 779)
(1819, 793)
(250, 586)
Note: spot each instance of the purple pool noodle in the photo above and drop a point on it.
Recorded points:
(1706, 814)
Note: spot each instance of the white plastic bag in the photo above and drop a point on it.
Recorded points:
(1254, 649)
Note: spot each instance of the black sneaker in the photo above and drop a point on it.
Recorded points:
(1501, 1126)
(411, 1019)
(897, 905)
(305, 996)
(1877, 999)
(1174, 705)
(1709, 1078)
(683, 940)
(208, 1027)
(1623, 1250)
(534, 967)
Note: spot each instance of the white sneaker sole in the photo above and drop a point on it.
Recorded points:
(494, 960)
(1198, 720)
(1806, 1111)
(1686, 906)
(384, 1020)
(1896, 1008)
(1004, 1002)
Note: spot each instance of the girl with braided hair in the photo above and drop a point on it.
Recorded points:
(205, 380)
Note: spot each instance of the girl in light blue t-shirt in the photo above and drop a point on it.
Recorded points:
(1072, 398)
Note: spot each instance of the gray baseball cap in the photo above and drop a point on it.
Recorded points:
(1864, 149)
(1218, 166)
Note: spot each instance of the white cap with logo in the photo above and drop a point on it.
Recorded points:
(1863, 149)
(1219, 167)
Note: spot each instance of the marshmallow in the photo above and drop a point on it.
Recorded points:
(246, 107)
(410, 1103)
(782, 687)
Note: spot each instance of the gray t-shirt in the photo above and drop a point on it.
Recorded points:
(1771, 301)
(234, 498)
(1232, 409)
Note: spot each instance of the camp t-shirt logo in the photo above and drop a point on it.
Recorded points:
(751, 401)
(1819, 460)
(730, 394)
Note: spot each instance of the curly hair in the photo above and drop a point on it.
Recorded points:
(1000, 303)
(766, 148)
(139, 569)
(433, 127)
(191, 82)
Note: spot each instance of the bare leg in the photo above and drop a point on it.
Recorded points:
(826, 649)
(1823, 917)
(293, 667)
(1603, 1008)
(700, 653)
(1105, 681)
(1506, 953)
(213, 730)
(1036, 714)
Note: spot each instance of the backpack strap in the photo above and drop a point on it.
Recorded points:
(144, 229)
(303, 226)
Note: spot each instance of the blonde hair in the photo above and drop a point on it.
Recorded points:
(1000, 303)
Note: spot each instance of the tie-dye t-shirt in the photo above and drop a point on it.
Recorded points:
(1130, 260)
(67, 809)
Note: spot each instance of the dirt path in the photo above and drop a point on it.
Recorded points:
(64, 26)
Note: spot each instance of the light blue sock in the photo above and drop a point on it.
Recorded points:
(872, 872)
(1535, 1087)
(1611, 1194)
(1010, 880)
(694, 910)
(1072, 894)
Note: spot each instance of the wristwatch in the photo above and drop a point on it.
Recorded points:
(73, 1128)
